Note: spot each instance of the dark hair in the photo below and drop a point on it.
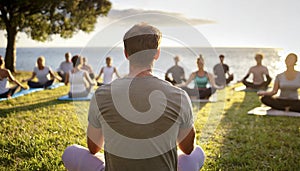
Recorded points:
(221, 56)
(76, 60)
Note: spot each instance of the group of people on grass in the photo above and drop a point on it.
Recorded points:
(206, 83)
(140, 119)
(74, 71)
(79, 74)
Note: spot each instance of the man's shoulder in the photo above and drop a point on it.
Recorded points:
(225, 65)
(148, 82)
(218, 65)
(265, 67)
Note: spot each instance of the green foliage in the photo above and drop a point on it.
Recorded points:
(43, 18)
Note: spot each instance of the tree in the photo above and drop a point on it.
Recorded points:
(40, 19)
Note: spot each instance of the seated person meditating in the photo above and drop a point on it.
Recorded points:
(80, 81)
(177, 73)
(202, 79)
(65, 67)
(221, 70)
(5, 75)
(139, 121)
(108, 71)
(85, 66)
(258, 71)
(42, 73)
(288, 83)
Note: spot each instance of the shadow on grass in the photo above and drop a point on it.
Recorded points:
(41, 103)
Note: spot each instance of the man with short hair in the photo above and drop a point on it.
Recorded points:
(258, 71)
(65, 66)
(140, 119)
(221, 70)
(108, 72)
(85, 66)
(177, 73)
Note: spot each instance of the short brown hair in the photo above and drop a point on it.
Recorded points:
(141, 37)
(259, 55)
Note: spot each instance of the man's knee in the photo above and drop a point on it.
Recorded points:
(68, 156)
(192, 162)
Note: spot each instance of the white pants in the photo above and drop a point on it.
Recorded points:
(78, 158)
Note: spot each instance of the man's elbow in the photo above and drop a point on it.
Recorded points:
(187, 150)
(187, 144)
(93, 151)
(93, 148)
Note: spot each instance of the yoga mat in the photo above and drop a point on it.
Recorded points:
(55, 85)
(243, 88)
(266, 110)
(32, 90)
(203, 100)
(67, 98)
(22, 93)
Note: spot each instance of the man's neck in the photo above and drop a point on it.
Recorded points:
(139, 71)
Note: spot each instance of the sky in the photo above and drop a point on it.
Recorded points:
(218, 23)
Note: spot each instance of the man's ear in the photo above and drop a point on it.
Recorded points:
(126, 54)
(157, 54)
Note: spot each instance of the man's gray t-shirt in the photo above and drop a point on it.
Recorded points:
(140, 119)
(177, 73)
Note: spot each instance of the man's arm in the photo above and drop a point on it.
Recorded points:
(95, 139)
(248, 74)
(116, 72)
(101, 71)
(185, 140)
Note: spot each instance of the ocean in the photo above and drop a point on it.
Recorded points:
(238, 59)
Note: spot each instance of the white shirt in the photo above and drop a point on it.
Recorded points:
(42, 75)
(65, 67)
(4, 85)
(108, 74)
(77, 82)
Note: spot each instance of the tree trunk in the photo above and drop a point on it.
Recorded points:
(10, 55)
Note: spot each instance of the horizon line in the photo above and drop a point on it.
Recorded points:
(236, 47)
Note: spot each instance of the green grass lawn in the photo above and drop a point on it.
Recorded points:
(36, 128)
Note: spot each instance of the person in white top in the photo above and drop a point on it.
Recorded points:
(42, 73)
(80, 82)
(65, 66)
(5, 90)
(288, 82)
(258, 71)
(85, 66)
(107, 72)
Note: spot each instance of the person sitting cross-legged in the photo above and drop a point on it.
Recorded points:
(288, 83)
(42, 72)
(140, 120)
(80, 82)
